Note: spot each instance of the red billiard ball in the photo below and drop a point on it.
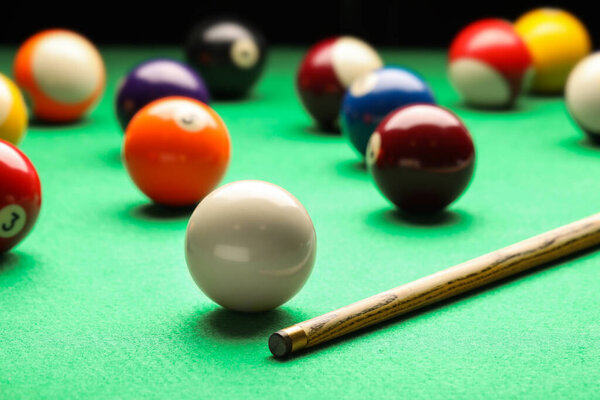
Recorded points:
(327, 70)
(489, 64)
(20, 196)
(176, 150)
(421, 158)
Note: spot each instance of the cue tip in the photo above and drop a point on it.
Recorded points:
(280, 344)
(286, 341)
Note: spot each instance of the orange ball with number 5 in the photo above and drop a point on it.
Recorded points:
(176, 150)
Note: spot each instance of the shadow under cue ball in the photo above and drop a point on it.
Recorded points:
(421, 158)
(250, 246)
(228, 54)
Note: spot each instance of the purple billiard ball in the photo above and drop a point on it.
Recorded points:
(155, 79)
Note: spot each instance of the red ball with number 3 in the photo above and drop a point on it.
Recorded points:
(20, 196)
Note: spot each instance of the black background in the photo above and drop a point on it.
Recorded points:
(406, 23)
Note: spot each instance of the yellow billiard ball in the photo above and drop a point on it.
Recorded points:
(13, 112)
(557, 40)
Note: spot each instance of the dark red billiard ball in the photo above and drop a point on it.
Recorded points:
(20, 196)
(489, 64)
(421, 158)
(327, 70)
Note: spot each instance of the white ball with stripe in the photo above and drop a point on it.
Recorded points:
(67, 67)
(352, 58)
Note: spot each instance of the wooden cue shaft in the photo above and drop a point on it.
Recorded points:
(442, 285)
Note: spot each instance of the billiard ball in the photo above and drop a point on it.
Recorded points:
(176, 150)
(327, 71)
(230, 56)
(13, 112)
(583, 95)
(557, 40)
(489, 64)
(250, 246)
(374, 95)
(20, 196)
(61, 72)
(421, 158)
(155, 79)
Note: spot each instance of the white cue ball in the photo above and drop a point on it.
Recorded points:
(250, 246)
(583, 95)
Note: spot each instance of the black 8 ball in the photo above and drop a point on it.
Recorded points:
(228, 54)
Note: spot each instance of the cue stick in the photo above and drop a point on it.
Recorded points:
(439, 286)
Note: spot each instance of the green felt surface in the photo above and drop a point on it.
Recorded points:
(97, 301)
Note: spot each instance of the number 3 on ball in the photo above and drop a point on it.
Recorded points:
(12, 220)
(20, 196)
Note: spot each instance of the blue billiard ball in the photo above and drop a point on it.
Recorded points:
(374, 95)
(153, 80)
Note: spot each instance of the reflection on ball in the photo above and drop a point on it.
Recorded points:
(250, 246)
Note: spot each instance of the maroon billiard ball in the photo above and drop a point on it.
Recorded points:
(421, 158)
(327, 70)
(20, 196)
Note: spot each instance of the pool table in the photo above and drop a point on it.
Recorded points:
(97, 301)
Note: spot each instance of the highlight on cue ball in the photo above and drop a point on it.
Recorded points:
(250, 246)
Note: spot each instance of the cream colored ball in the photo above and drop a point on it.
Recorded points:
(250, 246)
(583, 95)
